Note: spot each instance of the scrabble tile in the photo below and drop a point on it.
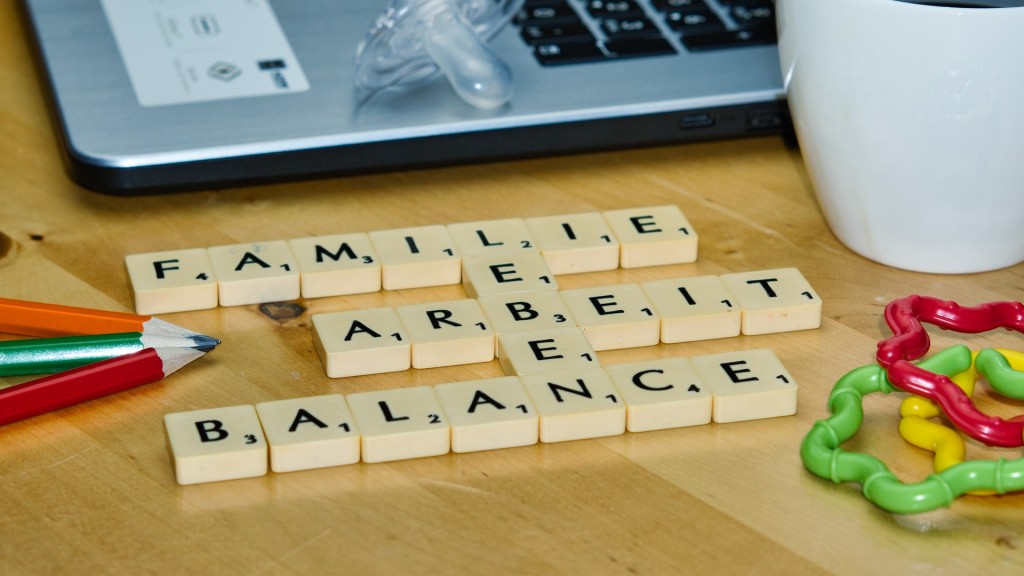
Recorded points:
(576, 404)
(509, 236)
(310, 432)
(216, 444)
(778, 300)
(400, 424)
(447, 333)
(614, 317)
(747, 385)
(695, 308)
(489, 414)
(575, 243)
(545, 350)
(255, 273)
(661, 394)
(172, 281)
(502, 274)
(526, 311)
(336, 265)
(653, 236)
(417, 257)
(358, 342)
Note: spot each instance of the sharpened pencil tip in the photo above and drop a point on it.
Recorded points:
(205, 343)
(205, 348)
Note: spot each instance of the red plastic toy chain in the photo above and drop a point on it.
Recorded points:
(910, 341)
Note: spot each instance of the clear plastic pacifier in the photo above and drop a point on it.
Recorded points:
(414, 40)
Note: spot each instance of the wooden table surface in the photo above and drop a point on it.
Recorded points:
(90, 489)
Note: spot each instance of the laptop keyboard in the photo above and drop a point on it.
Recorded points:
(574, 31)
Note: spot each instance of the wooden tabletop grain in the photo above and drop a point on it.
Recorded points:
(91, 490)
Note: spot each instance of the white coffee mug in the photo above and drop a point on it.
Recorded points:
(910, 118)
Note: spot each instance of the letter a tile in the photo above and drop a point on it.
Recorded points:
(216, 444)
(309, 432)
(576, 404)
(255, 273)
(747, 385)
(173, 281)
(661, 394)
(774, 300)
(360, 342)
(489, 414)
(400, 424)
(653, 236)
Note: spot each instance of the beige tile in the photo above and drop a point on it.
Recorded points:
(417, 257)
(255, 273)
(400, 424)
(747, 385)
(216, 444)
(447, 333)
(545, 350)
(489, 414)
(337, 265)
(779, 300)
(576, 404)
(172, 281)
(574, 243)
(309, 432)
(660, 394)
(358, 342)
(653, 236)
(483, 276)
(695, 308)
(614, 317)
(526, 311)
(507, 236)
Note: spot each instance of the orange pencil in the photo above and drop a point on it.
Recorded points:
(40, 319)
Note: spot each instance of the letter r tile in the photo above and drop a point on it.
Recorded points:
(172, 281)
(359, 342)
(653, 236)
(778, 300)
(309, 432)
(447, 333)
(400, 424)
(216, 444)
(747, 385)
(255, 273)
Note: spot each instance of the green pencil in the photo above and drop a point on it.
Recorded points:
(51, 355)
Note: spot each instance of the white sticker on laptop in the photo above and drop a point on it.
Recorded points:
(182, 51)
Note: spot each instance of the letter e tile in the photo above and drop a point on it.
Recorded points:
(576, 404)
(216, 444)
(400, 424)
(661, 394)
(778, 300)
(360, 342)
(614, 317)
(309, 432)
(489, 414)
(503, 274)
(653, 236)
(255, 273)
(747, 385)
(172, 281)
(545, 350)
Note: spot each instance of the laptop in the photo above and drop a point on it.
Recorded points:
(172, 95)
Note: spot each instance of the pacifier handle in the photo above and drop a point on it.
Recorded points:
(475, 72)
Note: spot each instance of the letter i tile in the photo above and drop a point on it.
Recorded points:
(576, 404)
(489, 414)
(337, 265)
(360, 342)
(417, 257)
(400, 424)
(309, 432)
(255, 273)
(216, 444)
(614, 317)
(661, 394)
(778, 300)
(653, 236)
(575, 242)
(696, 308)
(747, 385)
(173, 281)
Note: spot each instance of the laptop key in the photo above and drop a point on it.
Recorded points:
(622, 27)
(630, 46)
(546, 33)
(567, 52)
(729, 39)
(601, 8)
(686, 5)
(754, 15)
(694, 20)
(545, 11)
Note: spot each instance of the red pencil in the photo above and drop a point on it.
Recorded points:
(90, 382)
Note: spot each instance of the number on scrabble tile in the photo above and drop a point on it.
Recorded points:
(661, 394)
(489, 414)
(417, 257)
(653, 236)
(691, 309)
(575, 243)
(576, 404)
(504, 237)
(526, 311)
(172, 281)
(779, 300)
(359, 342)
(447, 333)
(503, 274)
(747, 385)
(255, 273)
(216, 444)
(614, 317)
(310, 432)
(400, 424)
(545, 350)
(337, 265)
